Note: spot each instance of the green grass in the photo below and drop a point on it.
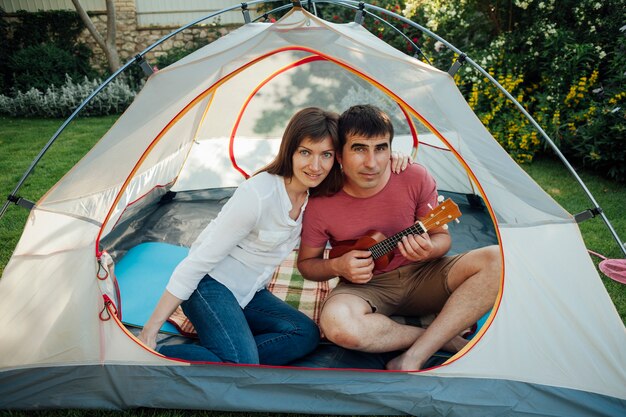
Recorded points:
(22, 139)
(610, 196)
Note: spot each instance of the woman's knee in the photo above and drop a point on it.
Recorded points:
(305, 332)
(310, 334)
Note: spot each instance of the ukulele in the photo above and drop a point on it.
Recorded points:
(381, 247)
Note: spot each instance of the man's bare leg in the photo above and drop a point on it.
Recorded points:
(474, 281)
(347, 320)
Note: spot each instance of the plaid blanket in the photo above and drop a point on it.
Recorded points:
(287, 284)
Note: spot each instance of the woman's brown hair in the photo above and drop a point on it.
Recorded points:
(310, 123)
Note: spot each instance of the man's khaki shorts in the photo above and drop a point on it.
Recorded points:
(412, 290)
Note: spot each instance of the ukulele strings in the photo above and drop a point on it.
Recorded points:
(387, 245)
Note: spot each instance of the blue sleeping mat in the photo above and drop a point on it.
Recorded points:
(142, 275)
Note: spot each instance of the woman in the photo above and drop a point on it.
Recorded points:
(221, 283)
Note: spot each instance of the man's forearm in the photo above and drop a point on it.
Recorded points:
(318, 269)
(441, 245)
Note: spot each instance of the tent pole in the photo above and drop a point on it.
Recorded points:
(508, 95)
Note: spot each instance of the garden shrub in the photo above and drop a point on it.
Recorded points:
(61, 101)
(4, 52)
(44, 65)
(35, 43)
(61, 27)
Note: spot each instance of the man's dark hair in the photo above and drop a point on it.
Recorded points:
(364, 120)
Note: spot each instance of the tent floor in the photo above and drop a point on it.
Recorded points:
(150, 241)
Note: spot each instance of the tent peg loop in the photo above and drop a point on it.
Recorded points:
(457, 64)
(246, 13)
(144, 65)
(296, 4)
(105, 315)
(587, 214)
(22, 202)
(360, 15)
(100, 269)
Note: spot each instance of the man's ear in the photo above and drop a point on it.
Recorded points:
(338, 156)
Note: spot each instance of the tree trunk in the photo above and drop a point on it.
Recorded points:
(108, 44)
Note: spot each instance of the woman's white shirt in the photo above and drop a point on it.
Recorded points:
(244, 244)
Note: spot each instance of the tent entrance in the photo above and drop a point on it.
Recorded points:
(230, 130)
(148, 246)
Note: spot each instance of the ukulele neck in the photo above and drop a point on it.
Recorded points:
(385, 246)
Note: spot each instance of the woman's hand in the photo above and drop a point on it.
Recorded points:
(399, 162)
(164, 309)
(148, 338)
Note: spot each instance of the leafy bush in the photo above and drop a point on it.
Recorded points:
(41, 66)
(61, 27)
(564, 62)
(40, 48)
(63, 100)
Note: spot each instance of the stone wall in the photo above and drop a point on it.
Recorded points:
(132, 39)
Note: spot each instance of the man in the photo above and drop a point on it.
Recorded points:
(419, 280)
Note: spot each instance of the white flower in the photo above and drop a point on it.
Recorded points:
(542, 5)
(592, 29)
(523, 4)
(597, 5)
(602, 54)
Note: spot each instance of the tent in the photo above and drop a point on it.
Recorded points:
(552, 345)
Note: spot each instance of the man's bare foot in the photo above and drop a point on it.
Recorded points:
(403, 363)
(406, 362)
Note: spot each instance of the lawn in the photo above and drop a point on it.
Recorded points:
(21, 140)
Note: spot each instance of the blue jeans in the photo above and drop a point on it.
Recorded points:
(267, 331)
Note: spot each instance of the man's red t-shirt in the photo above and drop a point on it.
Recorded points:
(340, 217)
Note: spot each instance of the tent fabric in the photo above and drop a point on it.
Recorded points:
(553, 345)
(269, 389)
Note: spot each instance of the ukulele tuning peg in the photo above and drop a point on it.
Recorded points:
(445, 227)
(429, 206)
(457, 221)
(440, 198)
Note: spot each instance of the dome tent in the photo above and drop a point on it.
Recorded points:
(553, 345)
